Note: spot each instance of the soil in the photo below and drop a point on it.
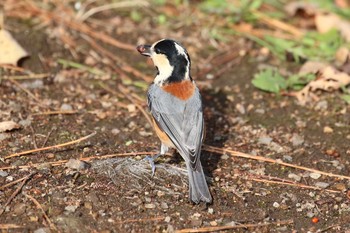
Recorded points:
(119, 194)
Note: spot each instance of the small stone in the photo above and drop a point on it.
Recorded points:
(164, 205)
(310, 214)
(297, 140)
(265, 140)
(150, 206)
(19, 209)
(210, 210)
(294, 177)
(213, 223)
(276, 205)
(3, 173)
(287, 158)
(322, 185)
(160, 193)
(115, 131)
(71, 208)
(43, 230)
(327, 129)
(240, 108)
(77, 164)
(44, 166)
(315, 175)
(225, 156)
(66, 107)
(131, 107)
(167, 219)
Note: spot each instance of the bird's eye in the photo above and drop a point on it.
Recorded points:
(157, 50)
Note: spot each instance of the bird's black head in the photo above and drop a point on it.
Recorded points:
(170, 58)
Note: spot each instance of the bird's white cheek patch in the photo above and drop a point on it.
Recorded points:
(164, 67)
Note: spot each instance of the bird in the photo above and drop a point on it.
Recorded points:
(175, 104)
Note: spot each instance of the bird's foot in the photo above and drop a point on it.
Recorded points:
(151, 160)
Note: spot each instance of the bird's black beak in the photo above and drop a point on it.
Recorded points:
(145, 50)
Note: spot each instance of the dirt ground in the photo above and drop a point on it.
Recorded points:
(118, 193)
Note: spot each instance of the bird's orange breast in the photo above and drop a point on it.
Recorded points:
(182, 90)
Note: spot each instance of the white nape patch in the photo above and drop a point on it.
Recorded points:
(164, 68)
(181, 51)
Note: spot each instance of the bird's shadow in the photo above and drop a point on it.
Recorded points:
(217, 127)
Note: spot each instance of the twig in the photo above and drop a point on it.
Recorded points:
(63, 112)
(221, 228)
(14, 194)
(47, 137)
(141, 220)
(295, 185)
(25, 90)
(52, 226)
(50, 147)
(15, 181)
(261, 158)
(132, 100)
(115, 5)
(34, 138)
(23, 77)
(7, 226)
(61, 162)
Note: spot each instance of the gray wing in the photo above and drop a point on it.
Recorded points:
(181, 120)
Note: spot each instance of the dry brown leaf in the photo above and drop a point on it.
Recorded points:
(342, 55)
(8, 126)
(326, 22)
(312, 67)
(11, 51)
(329, 79)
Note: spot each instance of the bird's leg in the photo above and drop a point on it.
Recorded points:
(151, 159)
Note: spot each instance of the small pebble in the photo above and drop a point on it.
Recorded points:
(43, 230)
(265, 140)
(294, 177)
(210, 210)
(66, 107)
(3, 173)
(71, 208)
(213, 223)
(315, 175)
(297, 140)
(322, 185)
(164, 205)
(276, 205)
(327, 129)
(150, 206)
(167, 219)
(77, 164)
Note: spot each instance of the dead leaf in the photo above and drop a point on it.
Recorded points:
(342, 55)
(312, 67)
(329, 79)
(11, 51)
(8, 126)
(326, 22)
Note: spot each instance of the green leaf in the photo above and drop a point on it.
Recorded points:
(269, 80)
(346, 98)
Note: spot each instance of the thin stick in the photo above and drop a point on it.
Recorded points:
(25, 90)
(52, 226)
(249, 225)
(50, 147)
(141, 220)
(295, 185)
(261, 158)
(24, 77)
(15, 182)
(61, 162)
(7, 226)
(47, 137)
(14, 194)
(129, 97)
(63, 112)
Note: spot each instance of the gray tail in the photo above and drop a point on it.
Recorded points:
(199, 190)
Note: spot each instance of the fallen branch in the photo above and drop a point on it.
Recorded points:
(221, 228)
(8, 226)
(50, 147)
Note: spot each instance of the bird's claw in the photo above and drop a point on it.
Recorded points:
(151, 160)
